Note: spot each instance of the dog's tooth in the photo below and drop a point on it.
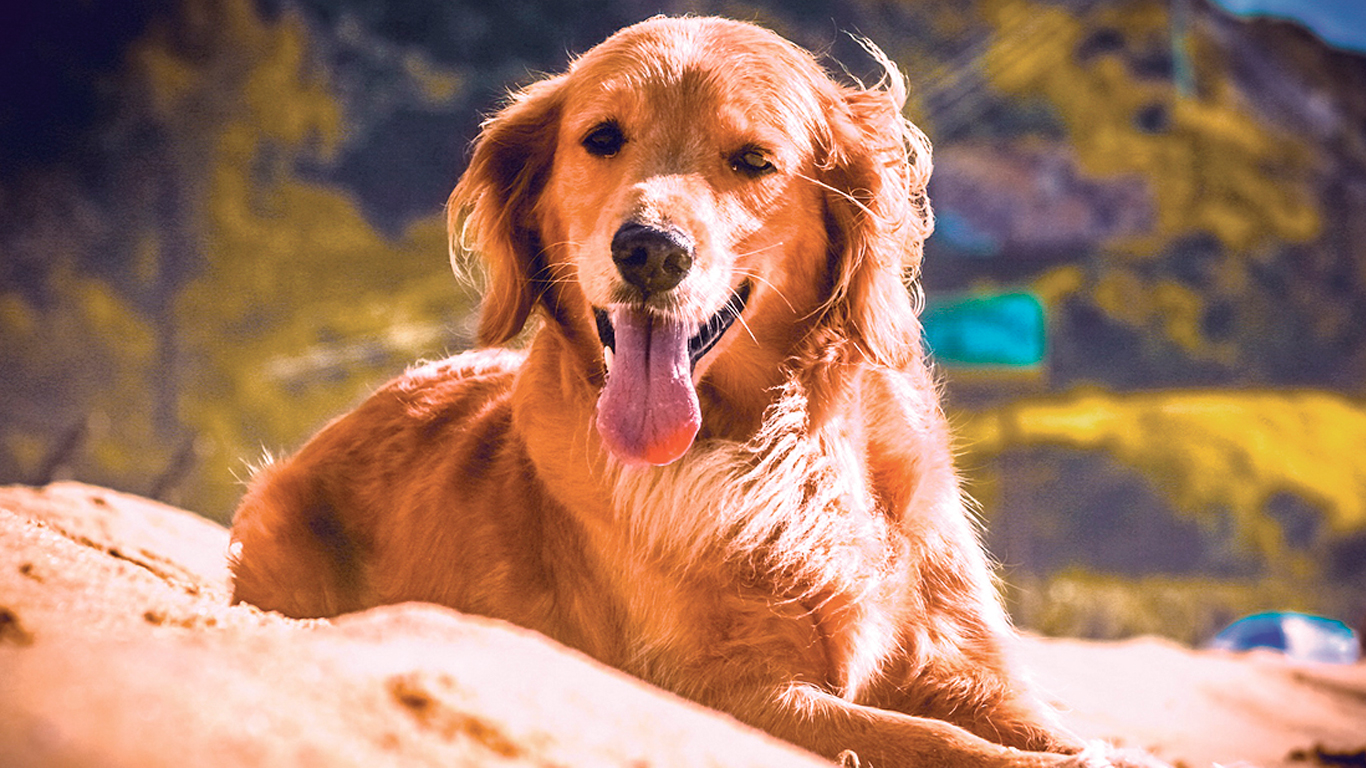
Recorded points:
(607, 357)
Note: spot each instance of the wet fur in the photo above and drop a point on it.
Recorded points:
(809, 566)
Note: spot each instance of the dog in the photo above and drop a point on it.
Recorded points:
(720, 464)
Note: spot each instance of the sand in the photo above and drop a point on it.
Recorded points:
(118, 648)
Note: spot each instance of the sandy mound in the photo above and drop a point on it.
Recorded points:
(118, 648)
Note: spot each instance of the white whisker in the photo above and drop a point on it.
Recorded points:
(856, 202)
(748, 331)
(755, 276)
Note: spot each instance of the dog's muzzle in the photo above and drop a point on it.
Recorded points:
(652, 259)
(648, 412)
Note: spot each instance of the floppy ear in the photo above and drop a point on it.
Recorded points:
(875, 168)
(492, 207)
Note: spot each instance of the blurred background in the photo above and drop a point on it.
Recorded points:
(221, 224)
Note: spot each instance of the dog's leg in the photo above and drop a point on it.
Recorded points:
(867, 737)
(291, 551)
(983, 696)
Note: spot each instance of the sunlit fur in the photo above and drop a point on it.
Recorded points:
(809, 564)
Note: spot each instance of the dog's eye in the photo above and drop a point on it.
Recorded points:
(605, 140)
(751, 161)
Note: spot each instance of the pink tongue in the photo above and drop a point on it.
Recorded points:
(648, 411)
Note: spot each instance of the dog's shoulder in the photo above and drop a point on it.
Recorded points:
(444, 408)
(490, 365)
(311, 525)
(457, 383)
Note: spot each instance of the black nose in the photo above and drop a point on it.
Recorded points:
(652, 259)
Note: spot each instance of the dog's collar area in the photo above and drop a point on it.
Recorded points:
(707, 335)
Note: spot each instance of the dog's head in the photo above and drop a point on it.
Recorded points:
(697, 198)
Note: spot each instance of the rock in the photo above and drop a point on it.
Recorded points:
(165, 540)
(118, 648)
(1204, 708)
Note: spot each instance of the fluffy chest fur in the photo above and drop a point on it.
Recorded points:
(798, 535)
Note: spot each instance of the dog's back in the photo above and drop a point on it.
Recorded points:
(312, 529)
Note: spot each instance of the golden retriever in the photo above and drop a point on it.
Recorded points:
(721, 463)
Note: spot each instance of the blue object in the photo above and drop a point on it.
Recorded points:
(961, 234)
(1340, 23)
(1298, 635)
(1002, 330)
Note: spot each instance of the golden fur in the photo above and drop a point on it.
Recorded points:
(807, 564)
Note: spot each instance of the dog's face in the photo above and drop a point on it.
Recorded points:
(675, 175)
(680, 188)
(691, 190)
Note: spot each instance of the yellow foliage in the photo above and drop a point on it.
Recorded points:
(27, 450)
(94, 349)
(1209, 166)
(312, 284)
(85, 308)
(1122, 295)
(17, 318)
(170, 79)
(1076, 603)
(256, 68)
(1211, 452)
(302, 306)
(1180, 312)
(438, 86)
(1213, 168)
(112, 321)
(282, 101)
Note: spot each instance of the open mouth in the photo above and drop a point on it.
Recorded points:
(648, 411)
(700, 343)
